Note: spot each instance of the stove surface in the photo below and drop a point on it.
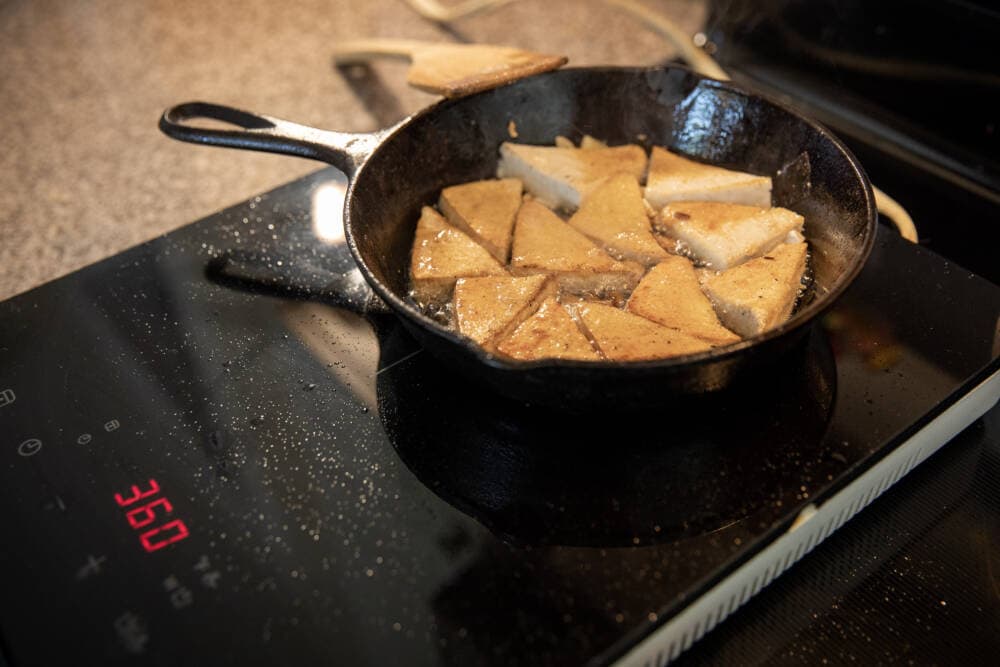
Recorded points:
(213, 447)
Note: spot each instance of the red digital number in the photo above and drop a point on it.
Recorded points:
(143, 516)
(140, 517)
(154, 488)
(176, 525)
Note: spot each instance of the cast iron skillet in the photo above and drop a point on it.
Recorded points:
(396, 171)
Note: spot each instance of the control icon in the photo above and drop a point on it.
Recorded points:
(209, 579)
(7, 397)
(84, 439)
(112, 425)
(92, 567)
(131, 632)
(55, 503)
(180, 596)
(29, 447)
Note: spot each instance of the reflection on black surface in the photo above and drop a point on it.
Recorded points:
(688, 467)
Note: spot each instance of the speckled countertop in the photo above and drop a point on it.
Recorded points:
(85, 173)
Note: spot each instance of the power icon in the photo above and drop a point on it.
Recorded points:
(29, 447)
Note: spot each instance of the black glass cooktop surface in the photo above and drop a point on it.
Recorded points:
(912, 580)
(214, 449)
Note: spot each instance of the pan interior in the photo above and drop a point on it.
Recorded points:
(457, 141)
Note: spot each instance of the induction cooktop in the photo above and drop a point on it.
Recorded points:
(217, 448)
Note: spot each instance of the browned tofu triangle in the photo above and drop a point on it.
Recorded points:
(614, 216)
(485, 210)
(622, 336)
(492, 306)
(543, 243)
(561, 177)
(724, 235)
(548, 334)
(670, 295)
(676, 178)
(441, 255)
(758, 295)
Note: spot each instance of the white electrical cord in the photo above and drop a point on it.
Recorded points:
(432, 10)
(893, 210)
(695, 57)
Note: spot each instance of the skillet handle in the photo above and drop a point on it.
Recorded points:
(257, 132)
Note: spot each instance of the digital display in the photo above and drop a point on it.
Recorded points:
(150, 513)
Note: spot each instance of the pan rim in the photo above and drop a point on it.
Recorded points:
(800, 319)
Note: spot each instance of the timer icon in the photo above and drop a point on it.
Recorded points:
(29, 447)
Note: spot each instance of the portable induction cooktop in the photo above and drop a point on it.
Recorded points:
(216, 447)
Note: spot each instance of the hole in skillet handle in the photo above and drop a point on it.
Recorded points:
(211, 116)
(219, 125)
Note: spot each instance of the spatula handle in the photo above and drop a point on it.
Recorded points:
(363, 50)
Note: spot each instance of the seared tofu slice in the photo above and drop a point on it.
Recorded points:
(441, 255)
(675, 178)
(586, 141)
(614, 217)
(492, 306)
(622, 336)
(543, 243)
(560, 177)
(485, 210)
(548, 334)
(671, 295)
(590, 142)
(724, 235)
(758, 295)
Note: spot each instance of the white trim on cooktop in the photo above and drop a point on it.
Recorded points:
(814, 525)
